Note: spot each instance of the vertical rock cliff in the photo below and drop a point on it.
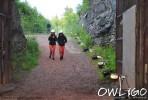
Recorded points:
(99, 21)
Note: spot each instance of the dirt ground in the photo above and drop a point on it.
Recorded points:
(73, 78)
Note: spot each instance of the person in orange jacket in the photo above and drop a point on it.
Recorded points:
(61, 41)
(52, 43)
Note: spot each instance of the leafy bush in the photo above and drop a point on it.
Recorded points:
(31, 54)
(29, 58)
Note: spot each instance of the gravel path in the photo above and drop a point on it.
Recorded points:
(73, 78)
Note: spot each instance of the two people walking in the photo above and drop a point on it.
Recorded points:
(61, 39)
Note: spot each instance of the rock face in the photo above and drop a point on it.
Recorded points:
(99, 21)
(18, 38)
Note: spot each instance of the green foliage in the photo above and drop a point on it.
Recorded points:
(107, 53)
(29, 58)
(84, 7)
(31, 54)
(55, 23)
(68, 23)
(31, 20)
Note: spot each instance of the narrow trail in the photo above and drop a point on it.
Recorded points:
(73, 78)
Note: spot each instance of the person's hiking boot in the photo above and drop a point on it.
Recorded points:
(60, 58)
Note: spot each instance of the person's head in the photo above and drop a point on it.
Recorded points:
(52, 32)
(61, 33)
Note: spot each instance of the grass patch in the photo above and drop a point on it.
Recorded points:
(17, 75)
(107, 53)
